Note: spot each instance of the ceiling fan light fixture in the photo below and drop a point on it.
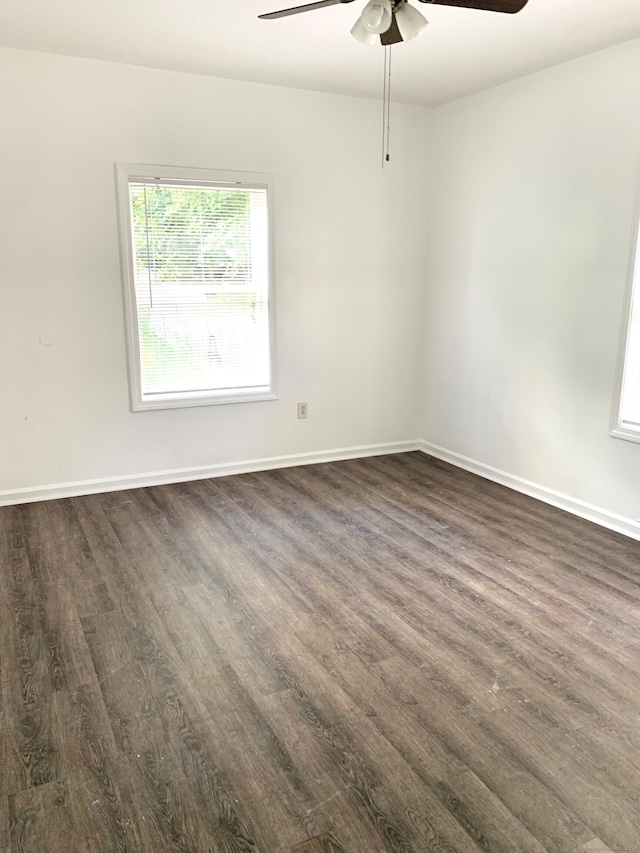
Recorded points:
(410, 22)
(376, 16)
(360, 32)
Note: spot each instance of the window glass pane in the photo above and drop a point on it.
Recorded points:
(631, 387)
(201, 288)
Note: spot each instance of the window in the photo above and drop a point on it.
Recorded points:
(627, 414)
(196, 265)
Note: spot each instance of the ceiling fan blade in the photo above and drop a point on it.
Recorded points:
(508, 6)
(295, 10)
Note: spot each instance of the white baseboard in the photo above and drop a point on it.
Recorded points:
(619, 523)
(611, 520)
(204, 472)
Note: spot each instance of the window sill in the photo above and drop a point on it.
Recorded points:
(626, 433)
(189, 402)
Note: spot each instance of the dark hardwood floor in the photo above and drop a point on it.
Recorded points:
(386, 654)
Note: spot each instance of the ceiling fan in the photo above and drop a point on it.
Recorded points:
(389, 22)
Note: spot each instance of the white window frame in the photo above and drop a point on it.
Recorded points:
(620, 429)
(128, 171)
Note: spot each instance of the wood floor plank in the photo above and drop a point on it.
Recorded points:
(5, 834)
(360, 681)
(316, 845)
(608, 761)
(224, 722)
(313, 775)
(331, 754)
(607, 804)
(465, 524)
(177, 786)
(273, 803)
(486, 498)
(58, 548)
(507, 639)
(99, 795)
(336, 774)
(478, 672)
(25, 672)
(122, 582)
(593, 845)
(503, 771)
(288, 559)
(485, 817)
(455, 551)
(315, 708)
(383, 654)
(180, 798)
(41, 819)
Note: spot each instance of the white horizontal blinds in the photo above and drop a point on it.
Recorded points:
(201, 272)
(631, 387)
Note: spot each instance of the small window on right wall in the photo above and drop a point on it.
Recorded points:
(626, 420)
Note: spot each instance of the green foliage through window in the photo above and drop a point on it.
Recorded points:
(192, 235)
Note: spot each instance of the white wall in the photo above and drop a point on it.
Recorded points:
(348, 329)
(504, 220)
(533, 198)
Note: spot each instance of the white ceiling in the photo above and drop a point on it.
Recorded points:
(462, 51)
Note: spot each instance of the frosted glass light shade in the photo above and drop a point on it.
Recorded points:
(410, 22)
(360, 32)
(376, 16)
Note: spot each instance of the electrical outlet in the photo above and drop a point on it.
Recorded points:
(302, 410)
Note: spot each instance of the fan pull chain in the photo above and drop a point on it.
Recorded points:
(386, 104)
(388, 101)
